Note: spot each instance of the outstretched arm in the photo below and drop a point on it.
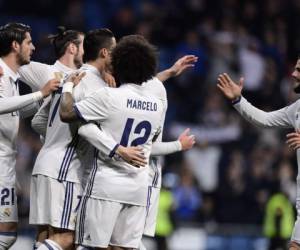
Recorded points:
(178, 67)
(14, 103)
(185, 141)
(233, 92)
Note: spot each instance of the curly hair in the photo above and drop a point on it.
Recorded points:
(134, 60)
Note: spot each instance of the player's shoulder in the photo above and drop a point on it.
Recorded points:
(156, 88)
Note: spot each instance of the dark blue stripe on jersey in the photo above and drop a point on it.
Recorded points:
(156, 174)
(148, 199)
(85, 198)
(67, 210)
(79, 115)
(113, 152)
(48, 245)
(68, 158)
(54, 112)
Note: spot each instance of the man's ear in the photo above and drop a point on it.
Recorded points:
(103, 53)
(15, 45)
(72, 48)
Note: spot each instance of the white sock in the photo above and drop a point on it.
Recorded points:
(7, 239)
(83, 248)
(49, 245)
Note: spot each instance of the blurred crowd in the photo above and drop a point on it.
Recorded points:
(236, 169)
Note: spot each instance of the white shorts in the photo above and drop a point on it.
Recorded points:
(53, 202)
(101, 223)
(152, 210)
(8, 201)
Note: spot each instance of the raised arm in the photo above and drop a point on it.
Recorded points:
(233, 92)
(178, 67)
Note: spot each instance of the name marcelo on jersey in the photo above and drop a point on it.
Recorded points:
(142, 105)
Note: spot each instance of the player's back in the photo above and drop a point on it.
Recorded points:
(62, 153)
(132, 116)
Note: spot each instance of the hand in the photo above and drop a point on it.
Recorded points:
(50, 86)
(1, 72)
(75, 77)
(182, 64)
(293, 140)
(109, 79)
(187, 141)
(229, 88)
(132, 155)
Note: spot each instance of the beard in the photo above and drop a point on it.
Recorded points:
(78, 61)
(297, 88)
(22, 59)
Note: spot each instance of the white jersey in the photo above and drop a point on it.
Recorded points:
(9, 123)
(63, 151)
(36, 74)
(286, 117)
(106, 144)
(132, 116)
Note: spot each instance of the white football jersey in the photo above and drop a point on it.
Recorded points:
(63, 151)
(133, 116)
(36, 74)
(9, 123)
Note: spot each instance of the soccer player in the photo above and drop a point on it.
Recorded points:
(286, 118)
(68, 48)
(15, 50)
(185, 141)
(62, 177)
(115, 196)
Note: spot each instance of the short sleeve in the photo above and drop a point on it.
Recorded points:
(36, 75)
(94, 107)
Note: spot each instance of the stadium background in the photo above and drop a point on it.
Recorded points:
(223, 190)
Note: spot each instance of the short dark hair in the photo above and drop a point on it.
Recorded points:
(94, 41)
(63, 38)
(12, 32)
(134, 60)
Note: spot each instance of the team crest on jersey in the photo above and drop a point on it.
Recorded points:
(7, 212)
(88, 237)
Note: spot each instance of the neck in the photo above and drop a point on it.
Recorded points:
(99, 64)
(68, 61)
(11, 61)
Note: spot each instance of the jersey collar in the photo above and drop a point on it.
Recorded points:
(63, 68)
(91, 68)
(8, 71)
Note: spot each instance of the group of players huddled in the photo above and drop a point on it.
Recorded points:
(100, 110)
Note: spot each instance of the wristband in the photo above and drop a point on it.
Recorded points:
(237, 100)
(37, 96)
(178, 145)
(68, 87)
